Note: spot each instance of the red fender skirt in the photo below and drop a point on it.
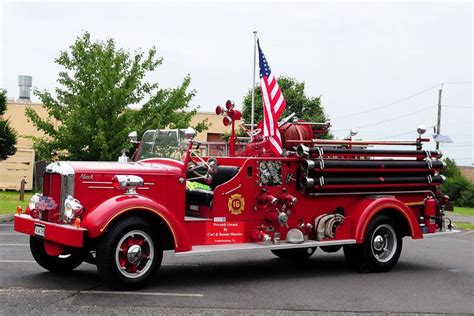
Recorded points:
(66, 235)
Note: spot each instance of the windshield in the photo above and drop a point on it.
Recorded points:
(162, 143)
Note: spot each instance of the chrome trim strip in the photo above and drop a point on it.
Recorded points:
(96, 187)
(196, 219)
(110, 182)
(93, 187)
(232, 190)
(97, 182)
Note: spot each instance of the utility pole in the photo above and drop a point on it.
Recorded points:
(438, 123)
(252, 114)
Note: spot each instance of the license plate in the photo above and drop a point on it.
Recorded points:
(39, 230)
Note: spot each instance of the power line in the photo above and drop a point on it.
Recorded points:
(458, 106)
(458, 82)
(404, 99)
(401, 134)
(389, 104)
(471, 145)
(390, 120)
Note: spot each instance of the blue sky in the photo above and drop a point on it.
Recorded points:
(357, 55)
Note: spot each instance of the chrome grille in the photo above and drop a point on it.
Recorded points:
(67, 181)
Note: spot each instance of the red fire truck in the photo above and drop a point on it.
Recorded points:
(332, 194)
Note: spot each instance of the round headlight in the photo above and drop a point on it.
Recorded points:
(34, 200)
(72, 208)
(68, 212)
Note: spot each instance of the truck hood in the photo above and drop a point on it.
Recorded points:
(157, 166)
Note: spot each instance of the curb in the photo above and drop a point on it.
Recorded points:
(6, 218)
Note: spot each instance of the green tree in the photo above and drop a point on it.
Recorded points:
(97, 84)
(459, 189)
(7, 133)
(305, 107)
(467, 197)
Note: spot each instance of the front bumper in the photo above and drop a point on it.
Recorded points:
(66, 235)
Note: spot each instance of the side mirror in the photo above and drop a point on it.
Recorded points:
(190, 133)
(132, 136)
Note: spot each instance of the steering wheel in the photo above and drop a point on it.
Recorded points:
(201, 168)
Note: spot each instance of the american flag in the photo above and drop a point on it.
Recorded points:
(273, 103)
(46, 203)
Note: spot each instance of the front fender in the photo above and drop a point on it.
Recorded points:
(98, 219)
(371, 207)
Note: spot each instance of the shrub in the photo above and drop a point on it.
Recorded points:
(467, 197)
(459, 189)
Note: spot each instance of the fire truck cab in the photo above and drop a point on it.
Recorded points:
(320, 193)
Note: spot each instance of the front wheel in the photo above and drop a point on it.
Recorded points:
(381, 248)
(297, 254)
(67, 261)
(128, 254)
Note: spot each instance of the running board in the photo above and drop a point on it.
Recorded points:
(229, 248)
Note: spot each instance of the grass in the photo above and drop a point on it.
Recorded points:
(465, 211)
(463, 225)
(9, 200)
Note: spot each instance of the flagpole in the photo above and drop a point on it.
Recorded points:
(252, 119)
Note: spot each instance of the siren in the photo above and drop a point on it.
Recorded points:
(234, 114)
(227, 120)
(229, 112)
(230, 116)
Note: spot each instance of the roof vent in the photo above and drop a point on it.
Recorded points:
(25, 83)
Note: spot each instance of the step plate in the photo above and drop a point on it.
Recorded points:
(229, 248)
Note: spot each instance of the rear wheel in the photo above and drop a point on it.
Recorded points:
(297, 254)
(381, 248)
(67, 261)
(128, 254)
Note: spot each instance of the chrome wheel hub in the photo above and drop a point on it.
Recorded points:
(384, 243)
(134, 254)
(378, 243)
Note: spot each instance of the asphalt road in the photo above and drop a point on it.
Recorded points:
(434, 275)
